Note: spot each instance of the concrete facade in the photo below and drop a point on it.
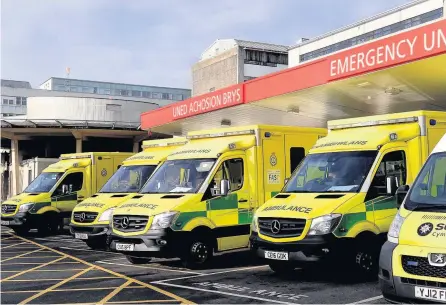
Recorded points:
(230, 61)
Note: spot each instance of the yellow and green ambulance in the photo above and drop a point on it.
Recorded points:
(52, 196)
(91, 218)
(412, 265)
(202, 198)
(339, 203)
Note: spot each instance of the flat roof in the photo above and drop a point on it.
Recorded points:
(103, 82)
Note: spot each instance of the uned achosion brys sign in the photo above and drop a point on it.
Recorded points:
(412, 45)
(209, 102)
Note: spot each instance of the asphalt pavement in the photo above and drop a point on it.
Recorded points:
(62, 270)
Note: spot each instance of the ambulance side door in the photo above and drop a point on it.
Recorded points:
(274, 166)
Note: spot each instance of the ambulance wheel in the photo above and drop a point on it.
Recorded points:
(21, 230)
(138, 260)
(198, 252)
(50, 224)
(366, 259)
(281, 268)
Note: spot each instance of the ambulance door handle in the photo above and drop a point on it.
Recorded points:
(243, 200)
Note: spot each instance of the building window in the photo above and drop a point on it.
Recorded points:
(74, 89)
(24, 101)
(264, 58)
(136, 93)
(5, 101)
(60, 88)
(11, 102)
(156, 95)
(146, 94)
(18, 100)
(384, 31)
(178, 97)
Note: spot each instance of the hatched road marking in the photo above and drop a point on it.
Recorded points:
(130, 283)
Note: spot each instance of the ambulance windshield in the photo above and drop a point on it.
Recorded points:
(429, 189)
(128, 179)
(331, 172)
(43, 183)
(179, 176)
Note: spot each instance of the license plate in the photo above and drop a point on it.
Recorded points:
(124, 247)
(80, 235)
(430, 293)
(281, 256)
(5, 223)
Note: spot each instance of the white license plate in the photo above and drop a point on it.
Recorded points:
(281, 256)
(80, 235)
(5, 223)
(430, 293)
(125, 247)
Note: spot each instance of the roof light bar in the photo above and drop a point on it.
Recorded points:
(222, 134)
(164, 144)
(374, 123)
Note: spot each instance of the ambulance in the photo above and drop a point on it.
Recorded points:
(52, 196)
(90, 218)
(337, 207)
(412, 265)
(202, 198)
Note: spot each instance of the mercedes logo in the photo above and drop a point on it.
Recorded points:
(82, 217)
(125, 222)
(425, 229)
(4, 208)
(275, 226)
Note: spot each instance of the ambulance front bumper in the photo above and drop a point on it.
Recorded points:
(20, 219)
(153, 243)
(311, 249)
(93, 231)
(397, 289)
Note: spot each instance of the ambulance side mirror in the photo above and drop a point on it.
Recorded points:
(401, 193)
(224, 187)
(391, 185)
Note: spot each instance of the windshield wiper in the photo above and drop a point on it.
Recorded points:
(426, 207)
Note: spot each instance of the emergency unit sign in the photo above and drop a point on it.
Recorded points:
(376, 55)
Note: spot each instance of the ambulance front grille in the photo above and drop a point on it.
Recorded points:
(130, 223)
(420, 266)
(281, 227)
(84, 217)
(8, 208)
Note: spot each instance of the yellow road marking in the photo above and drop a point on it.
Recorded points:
(32, 269)
(79, 278)
(67, 289)
(23, 254)
(5, 238)
(140, 301)
(174, 296)
(55, 286)
(58, 263)
(43, 256)
(114, 292)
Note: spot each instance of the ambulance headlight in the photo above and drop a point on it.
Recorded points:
(324, 224)
(106, 215)
(163, 220)
(25, 207)
(395, 228)
(254, 224)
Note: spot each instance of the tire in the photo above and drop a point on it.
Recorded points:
(138, 260)
(50, 224)
(366, 259)
(281, 268)
(96, 244)
(23, 230)
(197, 253)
